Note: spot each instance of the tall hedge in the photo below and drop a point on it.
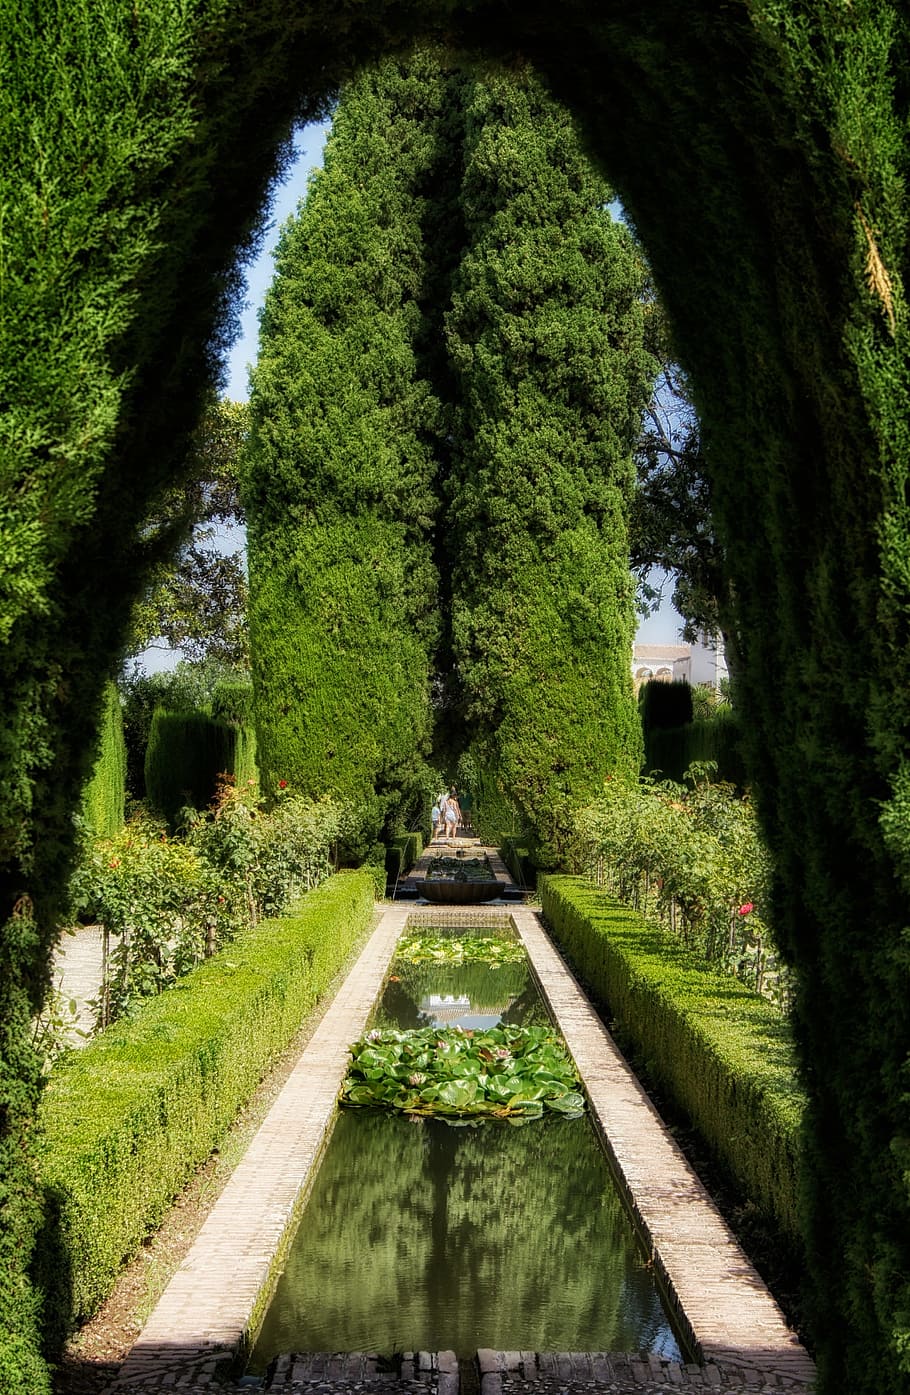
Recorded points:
(186, 753)
(546, 335)
(718, 738)
(664, 704)
(763, 152)
(340, 484)
(105, 794)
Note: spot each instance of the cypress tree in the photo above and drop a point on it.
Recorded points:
(340, 488)
(546, 338)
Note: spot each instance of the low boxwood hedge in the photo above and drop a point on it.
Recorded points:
(400, 855)
(722, 1053)
(127, 1120)
(517, 857)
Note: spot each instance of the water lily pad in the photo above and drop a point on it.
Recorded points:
(505, 1072)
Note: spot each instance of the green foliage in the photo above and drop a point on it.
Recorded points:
(514, 1073)
(166, 903)
(762, 152)
(664, 704)
(126, 1120)
(721, 1052)
(190, 687)
(695, 861)
(516, 855)
(339, 485)
(186, 753)
(401, 853)
(422, 947)
(196, 601)
(494, 815)
(717, 739)
(232, 701)
(671, 525)
(546, 335)
(103, 801)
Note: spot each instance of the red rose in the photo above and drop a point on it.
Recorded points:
(746, 908)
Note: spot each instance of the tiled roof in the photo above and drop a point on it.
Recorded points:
(662, 651)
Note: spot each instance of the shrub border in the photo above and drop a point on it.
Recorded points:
(128, 1119)
(401, 853)
(722, 1053)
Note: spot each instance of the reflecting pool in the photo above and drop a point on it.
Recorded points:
(421, 1235)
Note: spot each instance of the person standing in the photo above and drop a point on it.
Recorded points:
(452, 814)
(438, 816)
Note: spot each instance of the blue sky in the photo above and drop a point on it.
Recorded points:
(661, 628)
(308, 143)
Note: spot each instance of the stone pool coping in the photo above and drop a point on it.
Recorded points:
(206, 1316)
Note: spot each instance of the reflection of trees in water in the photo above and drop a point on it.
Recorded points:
(528, 1009)
(430, 1236)
(357, 1261)
(490, 988)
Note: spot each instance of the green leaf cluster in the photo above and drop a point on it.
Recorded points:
(514, 1073)
(168, 902)
(422, 947)
(691, 858)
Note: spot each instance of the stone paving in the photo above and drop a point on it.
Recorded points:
(212, 1306)
(77, 976)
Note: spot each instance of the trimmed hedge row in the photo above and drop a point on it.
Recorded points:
(662, 705)
(517, 857)
(723, 1053)
(401, 853)
(128, 1119)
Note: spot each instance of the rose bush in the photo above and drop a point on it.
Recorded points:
(691, 857)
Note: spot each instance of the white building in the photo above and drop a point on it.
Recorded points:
(702, 664)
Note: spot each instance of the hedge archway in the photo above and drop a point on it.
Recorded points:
(761, 151)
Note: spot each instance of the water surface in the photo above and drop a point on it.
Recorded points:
(420, 1236)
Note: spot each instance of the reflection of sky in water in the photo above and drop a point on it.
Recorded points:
(444, 1011)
